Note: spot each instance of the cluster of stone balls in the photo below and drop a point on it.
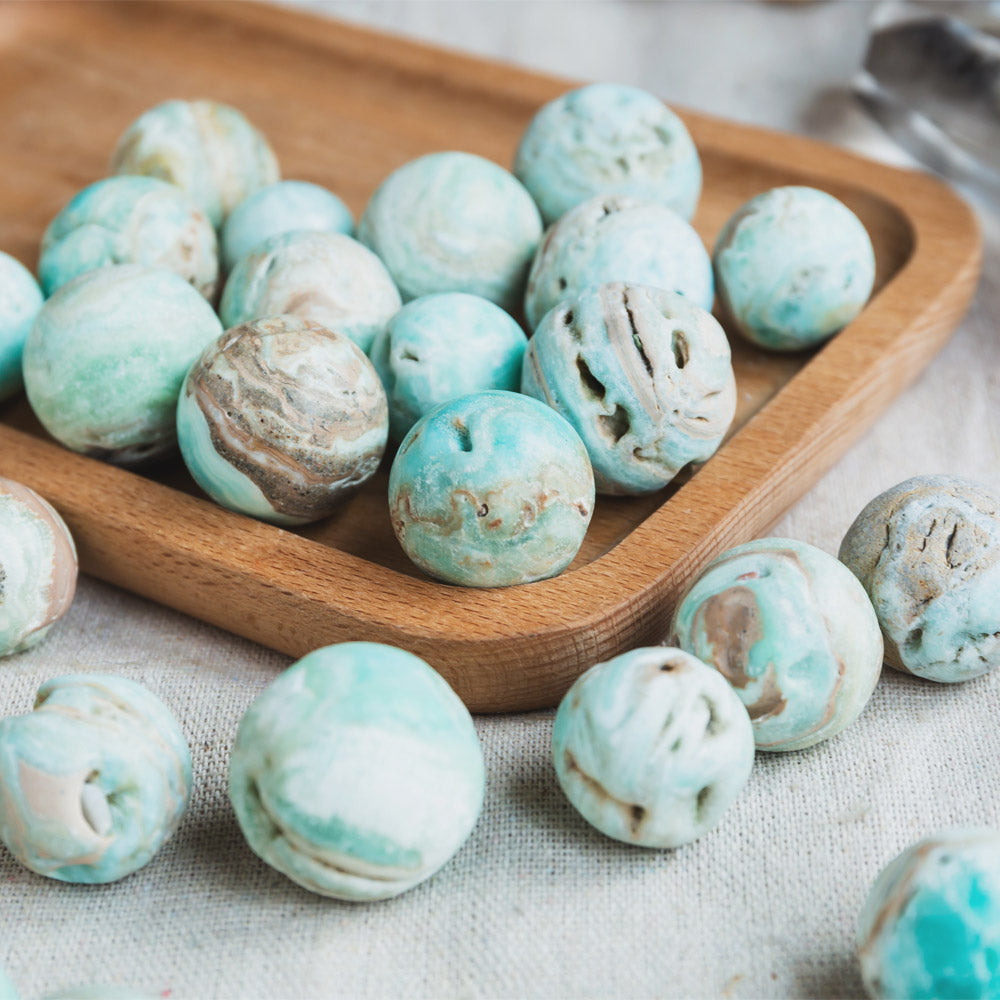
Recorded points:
(282, 413)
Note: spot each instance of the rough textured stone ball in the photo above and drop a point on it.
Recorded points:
(440, 347)
(106, 358)
(283, 207)
(792, 630)
(792, 267)
(652, 747)
(92, 781)
(281, 419)
(617, 238)
(608, 138)
(927, 551)
(208, 149)
(930, 926)
(358, 772)
(490, 490)
(38, 567)
(130, 220)
(644, 376)
(454, 222)
(20, 300)
(321, 276)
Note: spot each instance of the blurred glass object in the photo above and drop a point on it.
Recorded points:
(931, 77)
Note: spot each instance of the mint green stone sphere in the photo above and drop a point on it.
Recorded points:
(20, 300)
(792, 630)
(358, 773)
(92, 781)
(105, 360)
(491, 490)
(930, 926)
(8, 991)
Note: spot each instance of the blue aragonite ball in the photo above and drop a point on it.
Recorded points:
(930, 926)
(283, 207)
(325, 277)
(8, 991)
(106, 358)
(794, 633)
(93, 780)
(281, 418)
(608, 138)
(130, 220)
(358, 772)
(643, 375)
(38, 567)
(652, 747)
(617, 238)
(453, 222)
(20, 300)
(208, 149)
(792, 267)
(440, 347)
(490, 490)
(927, 552)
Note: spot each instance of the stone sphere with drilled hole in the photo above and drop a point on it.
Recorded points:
(792, 266)
(491, 490)
(617, 238)
(106, 358)
(792, 630)
(281, 419)
(927, 551)
(454, 222)
(20, 300)
(358, 772)
(207, 149)
(326, 277)
(93, 780)
(130, 220)
(930, 925)
(38, 567)
(604, 139)
(440, 347)
(283, 207)
(652, 747)
(643, 375)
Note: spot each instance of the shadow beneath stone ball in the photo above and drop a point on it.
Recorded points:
(838, 978)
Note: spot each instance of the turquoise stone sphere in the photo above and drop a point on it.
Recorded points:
(617, 238)
(608, 138)
(454, 222)
(652, 747)
(106, 358)
(792, 630)
(440, 347)
(20, 300)
(930, 926)
(92, 781)
(207, 149)
(643, 375)
(927, 551)
(281, 208)
(491, 490)
(325, 277)
(358, 772)
(281, 419)
(38, 567)
(130, 220)
(792, 267)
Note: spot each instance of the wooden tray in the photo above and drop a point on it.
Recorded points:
(344, 107)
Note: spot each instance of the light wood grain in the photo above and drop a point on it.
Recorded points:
(343, 107)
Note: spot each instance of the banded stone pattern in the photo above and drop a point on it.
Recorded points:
(794, 633)
(281, 418)
(644, 376)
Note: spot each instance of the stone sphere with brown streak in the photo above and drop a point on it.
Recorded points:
(281, 418)
(792, 630)
(38, 567)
